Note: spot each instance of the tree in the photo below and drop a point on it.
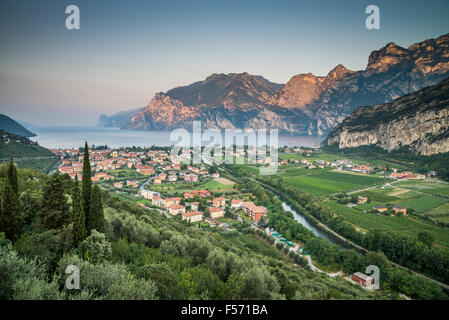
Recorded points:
(86, 183)
(78, 217)
(11, 174)
(95, 220)
(427, 238)
(10, 218)
(55, 210)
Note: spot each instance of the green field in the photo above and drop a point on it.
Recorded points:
(325, 182)
(378, 195)
(438, 189)
(422, 203)
(441, 211)
(405, 225)
(215, 185)
(316, 156)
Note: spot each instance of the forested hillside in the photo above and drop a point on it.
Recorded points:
(124, 251)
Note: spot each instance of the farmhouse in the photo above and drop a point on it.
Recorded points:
(399, 209)
(362, 278)
(362, 200)
(380, 208)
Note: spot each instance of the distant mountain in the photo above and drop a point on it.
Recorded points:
(307, 104)
(11, 126)
(418, 121)
(117, 120)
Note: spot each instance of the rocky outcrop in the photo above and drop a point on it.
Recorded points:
(117, 120)
(419, 121)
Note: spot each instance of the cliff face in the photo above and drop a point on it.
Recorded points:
(307, 104)
(419, 121)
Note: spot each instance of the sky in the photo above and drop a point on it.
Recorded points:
(126, 51)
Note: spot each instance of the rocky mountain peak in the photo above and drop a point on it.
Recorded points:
(338, 72)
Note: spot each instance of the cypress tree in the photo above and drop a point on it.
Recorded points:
(12, 176)
(10, 218)
(78, 217)
(96, 214)
(55, 210)
(86, 183)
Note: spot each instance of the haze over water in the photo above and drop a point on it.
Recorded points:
(74, 137)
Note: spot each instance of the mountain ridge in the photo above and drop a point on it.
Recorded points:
(10, 125)
(306, 104)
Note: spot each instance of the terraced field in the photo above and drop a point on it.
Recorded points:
(326, 182)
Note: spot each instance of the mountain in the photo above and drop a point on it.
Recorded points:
(418, 121)
(117, 120)
(11, 126)
(307, 104)
(220, 101)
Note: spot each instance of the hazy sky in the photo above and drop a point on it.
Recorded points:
(128, 50)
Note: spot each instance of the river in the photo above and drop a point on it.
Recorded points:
(311, 225)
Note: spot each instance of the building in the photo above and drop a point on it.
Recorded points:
(194, 206)
(253, 211)
(118, 185)
(399, 209)
(236, 204)
(380, 208)
(201, 193)
(159, 202)
(219, 202)
(188, 195)
(172, 201)
(192, 216)
(148, 194)
(214, 222)
(176, 209)
(216, 212)
(362, 278)
(132, 184)
(362, 200)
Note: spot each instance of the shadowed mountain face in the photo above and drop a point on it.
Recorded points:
(419, 121)
(9, 125)
(307, 104)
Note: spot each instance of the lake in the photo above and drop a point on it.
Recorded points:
(74, 137)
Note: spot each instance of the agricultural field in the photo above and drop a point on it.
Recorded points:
(378, 195)
(439, 189)
(406, 225)
(217, 184)
(315, 156)
(422, 204)
(439, 212)
(326, 182)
